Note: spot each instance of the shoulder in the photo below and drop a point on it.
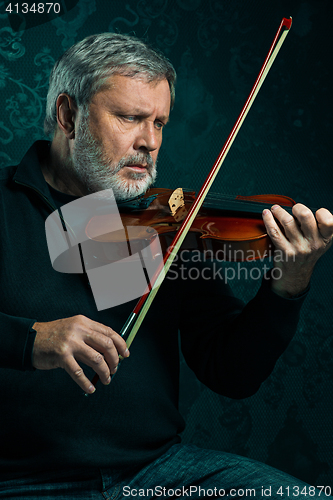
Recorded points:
(27, 171)
(7, 173)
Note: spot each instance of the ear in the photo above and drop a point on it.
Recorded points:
(66, 114)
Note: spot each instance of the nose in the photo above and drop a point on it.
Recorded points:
(146, 138)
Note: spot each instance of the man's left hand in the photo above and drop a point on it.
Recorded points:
(299, 241)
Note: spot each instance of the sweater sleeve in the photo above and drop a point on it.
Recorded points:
(233, 347)
(17, 341)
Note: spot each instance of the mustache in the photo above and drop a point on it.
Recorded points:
(137, 159)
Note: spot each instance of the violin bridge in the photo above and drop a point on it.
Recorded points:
(177, 205)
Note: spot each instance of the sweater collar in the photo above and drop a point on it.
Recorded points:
(29, 172)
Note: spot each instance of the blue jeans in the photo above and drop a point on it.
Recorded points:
(185, 471)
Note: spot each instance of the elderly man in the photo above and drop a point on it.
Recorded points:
(109, 99)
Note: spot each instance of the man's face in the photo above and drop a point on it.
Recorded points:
(117, 145)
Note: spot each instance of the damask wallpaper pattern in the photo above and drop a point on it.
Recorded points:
(217, 47)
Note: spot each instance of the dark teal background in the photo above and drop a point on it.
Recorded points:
(284, 146)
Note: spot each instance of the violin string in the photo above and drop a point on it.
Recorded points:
(222, 197)
(260, 205)
(256, 205)
(243, 205)
(229, 202)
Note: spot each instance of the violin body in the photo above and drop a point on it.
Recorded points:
(232, 230)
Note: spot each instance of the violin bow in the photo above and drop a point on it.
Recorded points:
(135, 319)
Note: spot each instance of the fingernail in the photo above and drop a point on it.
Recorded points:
(108, 380)
(114, 370)
(265, 211)
(126, 353)
(92, 389)
(274, 207)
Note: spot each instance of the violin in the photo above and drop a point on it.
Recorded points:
(230, 228)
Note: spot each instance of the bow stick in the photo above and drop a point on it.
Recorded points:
(134, 321)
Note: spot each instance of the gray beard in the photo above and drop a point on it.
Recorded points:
(95, 172)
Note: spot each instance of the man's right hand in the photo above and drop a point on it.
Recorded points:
(65, 342)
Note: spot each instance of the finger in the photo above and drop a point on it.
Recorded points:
(290, 227)
(118, 341)
(77, 374)
(325, 223)
(120, 344)
(96, 360)
(307, 221)
(274, 232)
(105, 347)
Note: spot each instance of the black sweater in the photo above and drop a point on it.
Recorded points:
(46, 422)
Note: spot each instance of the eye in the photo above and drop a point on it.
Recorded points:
(129, 118)
(159, 125)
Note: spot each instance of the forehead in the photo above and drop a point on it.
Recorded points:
(130, 94)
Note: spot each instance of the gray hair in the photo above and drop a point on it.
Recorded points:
(85, 66)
